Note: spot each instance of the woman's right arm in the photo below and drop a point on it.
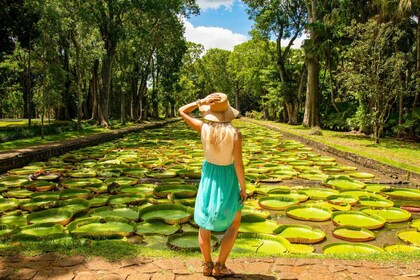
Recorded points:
(185, 113)
(239, 165)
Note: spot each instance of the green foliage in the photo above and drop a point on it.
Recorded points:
(21, 132)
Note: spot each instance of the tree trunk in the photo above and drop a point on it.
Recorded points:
(311, 117)
(123, 118)
(95, 91)
(78, 81)
(105, 91)
(292, 112)
(416, 97)
(28, 76)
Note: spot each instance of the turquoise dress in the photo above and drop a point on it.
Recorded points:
(218, 197)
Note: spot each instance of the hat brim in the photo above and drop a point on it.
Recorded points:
(208, 114)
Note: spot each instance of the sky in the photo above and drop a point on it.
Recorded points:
(221, 24)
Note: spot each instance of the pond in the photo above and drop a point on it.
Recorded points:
(141, 188)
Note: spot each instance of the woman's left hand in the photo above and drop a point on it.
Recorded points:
(242, 194)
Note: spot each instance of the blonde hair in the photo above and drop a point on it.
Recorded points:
(220, 132)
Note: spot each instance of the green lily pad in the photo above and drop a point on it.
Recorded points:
(361, 175)
(357, 219)
(402, 193)
(122, 181)
(301, 249)
(8, 204)
(38, 204)
(55, 216)
(49, 177)
(13, 181)
(351, 248)
(6, 231)
(277, 202)
(309, 213)
(415, 224)
(180, 190)
(343, 182)
(375, 201)
(157, 174)
(103, 230)
(84, 173)
(391, 214)
(18, 193)
(318, 193)
(354, 234)
(258, 243)
(257, 224)
(82, 183)
(38, 232)
(401, 248)
(376, 188)
(187, 173)
(359, 193)
(187, 241)
(99, 200)
(410, 236)
(39, 185)
(18, 220)
(314, 176)
(156, 227)
(341, 199)
(75, 193)
(75, 205)
(127, 213)
(146, 189)
(129, 199)
(169, 213)
(300, 234)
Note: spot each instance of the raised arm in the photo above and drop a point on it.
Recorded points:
(185, 111)
(239, 165)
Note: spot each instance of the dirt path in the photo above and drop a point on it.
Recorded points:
(51, 266)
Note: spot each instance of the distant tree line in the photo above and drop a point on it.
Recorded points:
(358, 70)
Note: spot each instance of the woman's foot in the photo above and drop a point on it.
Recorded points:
(220, 270)
(208, 268)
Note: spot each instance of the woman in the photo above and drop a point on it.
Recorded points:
(219, 198)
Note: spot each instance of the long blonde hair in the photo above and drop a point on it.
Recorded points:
(219, 133)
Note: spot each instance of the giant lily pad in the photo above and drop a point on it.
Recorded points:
(351, 248)
(84, 173)
(391, 214)
(146, 189)
(375, 201)
(361, 175)
(187, 241)
(180, 190)
(403, 193)
(13, 181)
(17, 220)
(342, 182)
(318, 193)
(55, 216)
(38, 232)
(401, 248)
(75, 193)
(415, 224)
(18, 193)
(156, 227)
(82, 183)
(103, 230)
(8, 204)
(261, 243)
(354, 234)
(6, 231)
(129, 199)
(342, 199)
(75, 205)
(277, 202)
(410, 236)
(257, 224)
(357, 219)
(309, 213)
(39, 185)
(127, 213)
(169, 213)
(160, 174)
(300, 234)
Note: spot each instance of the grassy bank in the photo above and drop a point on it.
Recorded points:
(404, 155)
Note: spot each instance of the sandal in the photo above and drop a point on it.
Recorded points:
(220, 270)
(207, 268)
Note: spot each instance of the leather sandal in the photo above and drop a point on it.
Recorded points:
(220, 270)
(208, 268)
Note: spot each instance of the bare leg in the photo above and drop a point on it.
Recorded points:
(204, 242)
(229, 239)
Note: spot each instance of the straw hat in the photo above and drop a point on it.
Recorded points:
(219, 111)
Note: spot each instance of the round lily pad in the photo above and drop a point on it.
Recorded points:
(391, 214)
(258, 243)
(341, 199)
(277, 202)
(187, 241)
(13, 181)
(357, 219)
(75, 205)
(361, 175)
(18, 220)
(6, 231)
(82, 183)
(180, 190)
(156, 227)
(103, 230)
(309, 213)
(160, 174)
(319, 193)
(402, 193)
(257, 224)
(410, 236)
(38, 232)
(75, 193)
(84, 173)
(342, 182)
(127, 213)
(300, 234)
(39, 185)
(354, 234)
(8, 204)
(375, 201)
(129, 199)
(401, 248)
(169, 213)
(415, 224)
(351, 248)
(56, 216)
(301, 249)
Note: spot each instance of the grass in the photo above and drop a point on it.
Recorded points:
(404, 155)
(115, 250)
(86, 131)
(24, 122)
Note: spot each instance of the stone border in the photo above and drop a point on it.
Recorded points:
(21, 157)
(387, 170)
